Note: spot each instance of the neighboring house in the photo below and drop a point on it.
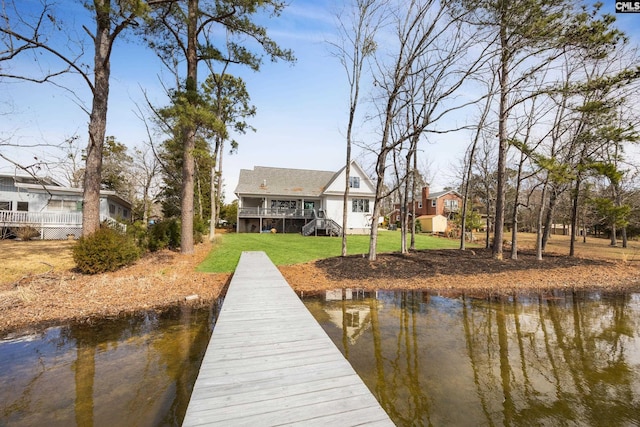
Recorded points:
(445, 203)
(53, 209)
(303, 201)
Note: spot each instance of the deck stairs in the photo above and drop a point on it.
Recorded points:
(321, 225)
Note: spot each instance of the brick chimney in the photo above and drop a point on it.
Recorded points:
(425, 195)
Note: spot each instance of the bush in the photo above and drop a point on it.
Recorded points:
(26, 233)
(164, 234)
(139, 233)
(104, 250)
(200, 229)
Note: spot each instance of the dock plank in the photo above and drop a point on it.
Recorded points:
(270, 363)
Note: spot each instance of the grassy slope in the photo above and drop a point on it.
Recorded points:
(287, 249)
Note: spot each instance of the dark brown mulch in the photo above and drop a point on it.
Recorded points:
(443, 262)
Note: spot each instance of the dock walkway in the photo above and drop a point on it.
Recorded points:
(270, 363)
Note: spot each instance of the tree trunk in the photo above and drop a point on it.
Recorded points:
(543, 197)
(614, 232)
(412, 246)
(574, 218)
(404, 216)
(218, 199)
(345, 198)
(548, 221)
(514, 213)
(488, 225)
(212, 218)
(188, 162)
(380, 170)
(502, 149)
(97, 124)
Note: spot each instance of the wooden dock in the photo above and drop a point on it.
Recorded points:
(270, 363)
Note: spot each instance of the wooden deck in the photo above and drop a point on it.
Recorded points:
(270, 363)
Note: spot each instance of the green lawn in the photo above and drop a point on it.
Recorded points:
(287, 249)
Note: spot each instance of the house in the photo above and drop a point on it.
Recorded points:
(303, 201)
(50, 207)
(444, 203)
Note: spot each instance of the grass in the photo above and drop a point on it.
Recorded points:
(287, 249)
(21, 258)
(599, 248)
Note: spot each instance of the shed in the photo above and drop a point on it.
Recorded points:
(433, 223)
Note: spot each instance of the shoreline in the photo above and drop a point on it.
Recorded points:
(166, 280)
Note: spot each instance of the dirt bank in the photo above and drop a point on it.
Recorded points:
(166, 279)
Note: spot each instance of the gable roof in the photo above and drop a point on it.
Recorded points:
(355, 171)
(281, 181)
(51, 186)
(29, 179)
(438, 194)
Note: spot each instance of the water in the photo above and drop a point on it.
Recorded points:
(562, 358)
(136, 371)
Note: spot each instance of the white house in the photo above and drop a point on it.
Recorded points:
(53, 209)
(306, 201)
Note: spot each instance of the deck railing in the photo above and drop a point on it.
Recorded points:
(12, 218)
(275, 212)
(51, 219)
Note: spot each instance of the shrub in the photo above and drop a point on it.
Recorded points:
(26, 233)
(200, 229)
(104, 250)
(164, 234)
(139, 233)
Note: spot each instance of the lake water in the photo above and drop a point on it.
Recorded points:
(563, 358)
(137, 371)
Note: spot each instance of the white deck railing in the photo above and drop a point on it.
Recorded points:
(61, 219)
(51, 219)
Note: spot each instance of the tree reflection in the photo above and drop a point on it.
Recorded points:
(553, 358)
(85, 370)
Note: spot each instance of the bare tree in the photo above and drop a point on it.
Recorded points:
(471, 154)
(33, 35)
(357, 28)
(146, 169)
(430, 66)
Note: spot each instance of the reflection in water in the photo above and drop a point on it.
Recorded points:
(137, 371)
(565, 358)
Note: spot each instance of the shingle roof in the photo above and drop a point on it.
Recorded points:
(437, 194)
(286, 182)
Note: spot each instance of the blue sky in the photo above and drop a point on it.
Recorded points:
(301, 109)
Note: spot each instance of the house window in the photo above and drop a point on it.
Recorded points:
(433, 203)
(62, 205)
(360, 205)
(354, 182)
(5, 206)
(451, 205)
(6, 184)
(55, 205)
(419, 205)
(112, 209)
(284, 204)
(23, 206)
